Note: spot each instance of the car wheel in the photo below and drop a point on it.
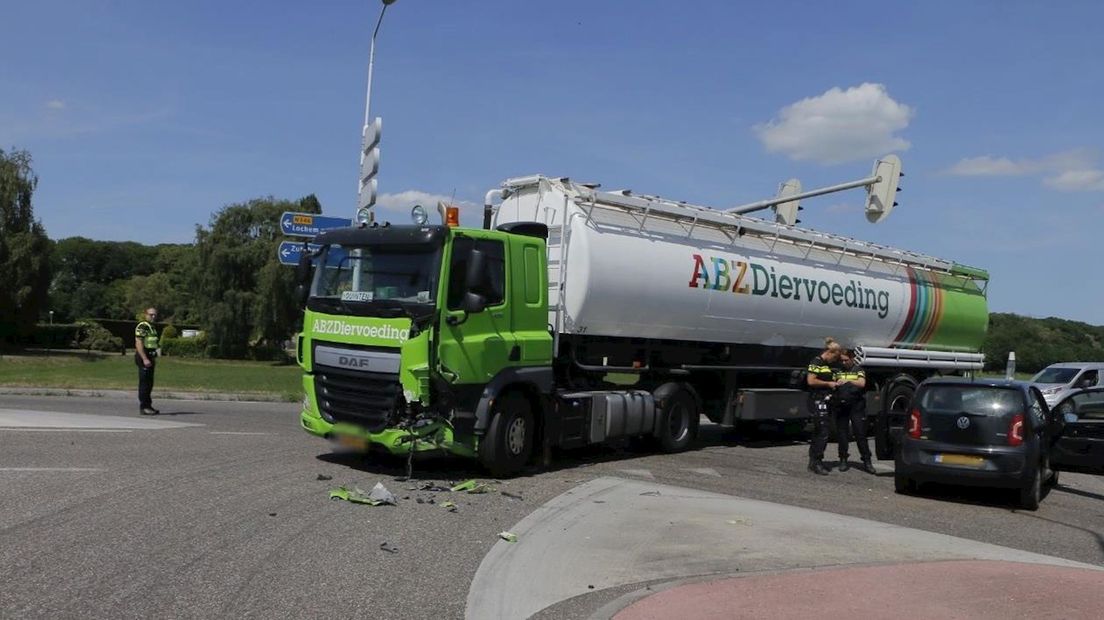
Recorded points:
(1032, 491)
(508, 443)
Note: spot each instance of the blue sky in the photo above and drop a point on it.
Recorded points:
(146, 117)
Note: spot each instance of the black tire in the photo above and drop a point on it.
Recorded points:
(1032, 491)
(903, 484)
(677, 426)
(508, 443)
(891, 421)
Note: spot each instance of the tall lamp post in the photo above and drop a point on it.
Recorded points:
(369, 153)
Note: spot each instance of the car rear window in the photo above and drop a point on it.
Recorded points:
(979, 400)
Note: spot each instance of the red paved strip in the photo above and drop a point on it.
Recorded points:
(958, 589)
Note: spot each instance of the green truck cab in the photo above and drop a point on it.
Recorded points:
(419, 338)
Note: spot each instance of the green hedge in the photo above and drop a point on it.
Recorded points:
(185, 347)
(55, 336)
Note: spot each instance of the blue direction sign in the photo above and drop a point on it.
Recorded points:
(309, 224)
(289, 251)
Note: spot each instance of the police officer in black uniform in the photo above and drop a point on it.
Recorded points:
(821, 380)
(849, 405)
(146, 343)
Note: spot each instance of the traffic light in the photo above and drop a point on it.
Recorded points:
(881, 195)
(369, 163)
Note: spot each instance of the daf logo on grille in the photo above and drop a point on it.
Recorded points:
(963, 422)
(354, 362)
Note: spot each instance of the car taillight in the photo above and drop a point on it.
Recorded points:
(1016, 430)
(914, 424)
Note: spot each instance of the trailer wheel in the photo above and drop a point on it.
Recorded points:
(508, 443)
(890, 422)
(678, 422)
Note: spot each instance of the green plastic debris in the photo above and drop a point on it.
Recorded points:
(471, 486)
(378, 496)
(508, 536)
(450, 506)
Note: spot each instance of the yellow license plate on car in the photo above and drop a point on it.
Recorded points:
(350, 441)
(960, 459)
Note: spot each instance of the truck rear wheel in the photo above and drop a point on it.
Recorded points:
(508, 443)
(890, 421)
(678, 422)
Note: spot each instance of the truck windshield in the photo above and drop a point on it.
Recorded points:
(358, 278)
(1056, 375)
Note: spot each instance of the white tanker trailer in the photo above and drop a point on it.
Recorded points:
(577, 316)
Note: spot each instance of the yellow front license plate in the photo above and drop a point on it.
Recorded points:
(349, 441)
(960, 459)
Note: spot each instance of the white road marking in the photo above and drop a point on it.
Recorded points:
(39, 469)
(639, 473)
(705, 471)
(238, 433)
(27, 419)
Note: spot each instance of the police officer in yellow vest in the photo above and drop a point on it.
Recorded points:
(850, 410)
(145, 356)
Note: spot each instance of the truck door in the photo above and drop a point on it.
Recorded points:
(474, 346)
(1078, 440)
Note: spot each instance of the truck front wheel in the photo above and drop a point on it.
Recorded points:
(508, 443)
(678, 422)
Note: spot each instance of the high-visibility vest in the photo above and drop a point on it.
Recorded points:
(148, 333)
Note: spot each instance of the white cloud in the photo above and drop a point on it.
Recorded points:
(838, 126)
(55, 104)
(1087, 180)
(991, 166)
(1069, 171)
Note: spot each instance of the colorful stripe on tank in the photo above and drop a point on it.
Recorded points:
(925, 310)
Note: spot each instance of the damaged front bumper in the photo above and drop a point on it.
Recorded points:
(434, 436)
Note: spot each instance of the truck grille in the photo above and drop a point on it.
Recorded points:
(366, 399)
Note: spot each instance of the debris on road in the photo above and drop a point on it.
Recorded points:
(651, 493)
(512, 496)
(378, 496)
(381, 495)
(471, 486)
(508, 536)
(388, 547)
(451, 506)
(324, 477)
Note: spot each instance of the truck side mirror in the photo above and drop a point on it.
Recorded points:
(302, 277)
(474, 303)
(475, 280)
(303, 269)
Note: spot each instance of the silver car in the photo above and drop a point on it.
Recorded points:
(1058, 380)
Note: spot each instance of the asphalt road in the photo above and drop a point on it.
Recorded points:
(226, 516)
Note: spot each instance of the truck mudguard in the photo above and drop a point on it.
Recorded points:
(537, 378)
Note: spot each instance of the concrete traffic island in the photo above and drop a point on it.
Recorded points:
(597, 549)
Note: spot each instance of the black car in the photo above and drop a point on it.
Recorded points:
(998, 433)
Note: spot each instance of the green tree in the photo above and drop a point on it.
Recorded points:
(85, 272)
(24, 248)
(245, 299)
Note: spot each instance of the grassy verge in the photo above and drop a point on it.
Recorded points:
(117, 372)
